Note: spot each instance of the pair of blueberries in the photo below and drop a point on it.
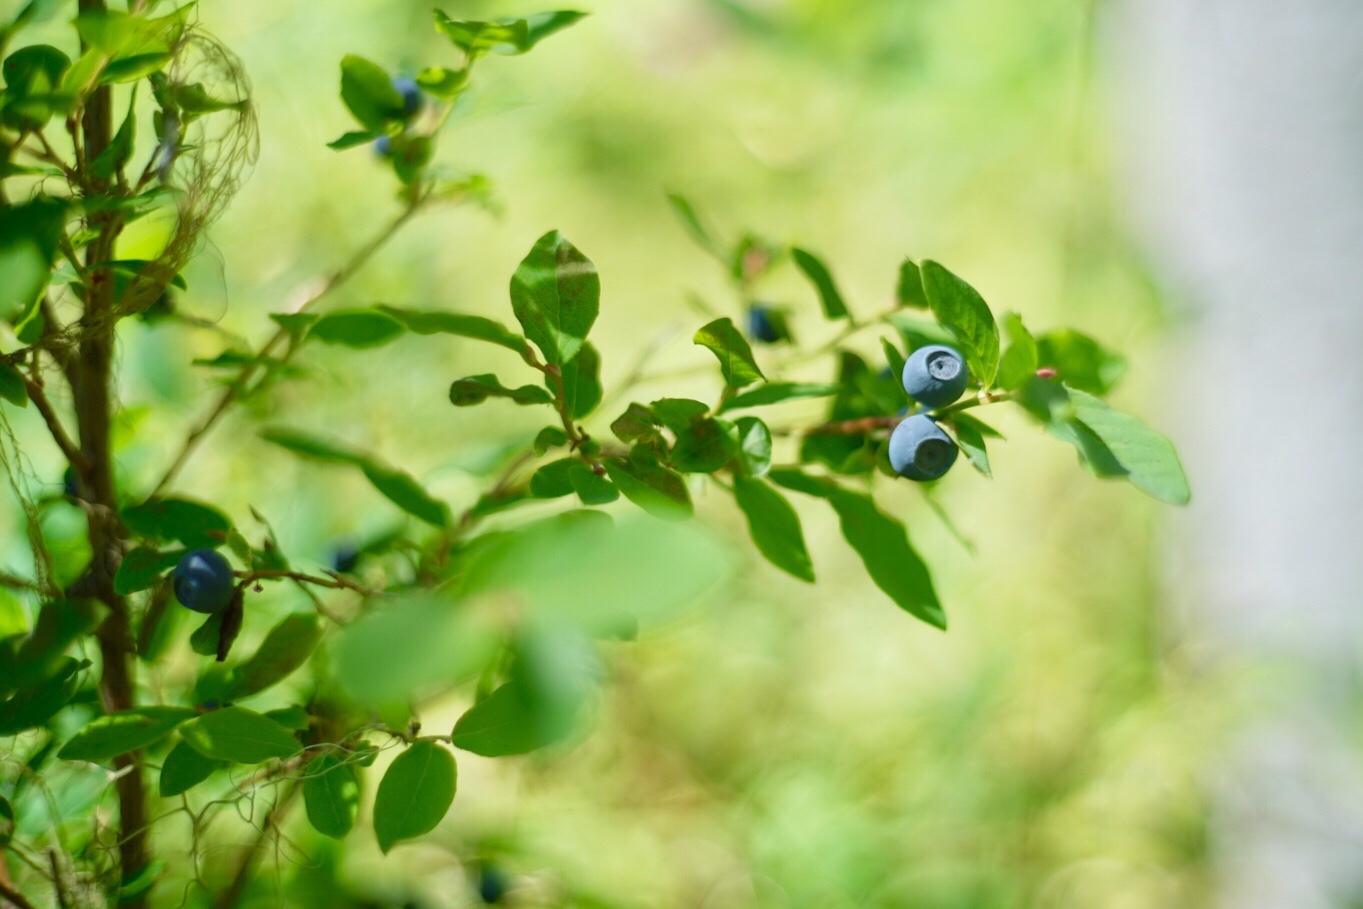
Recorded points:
(411, 105)
(934, 376)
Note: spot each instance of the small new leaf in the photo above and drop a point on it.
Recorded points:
(732, 350)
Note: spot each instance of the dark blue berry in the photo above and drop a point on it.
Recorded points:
(203, 581)
(935, 376)
(344, 558)
(412, 98)
(762, 324)
(492, 884)
(69, 486)
(920, 450)
(383, 146)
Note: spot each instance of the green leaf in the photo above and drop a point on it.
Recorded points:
(368, 92)
(409, 495)
(818, 274)
(204, 640)
(443, 82)
(331, 794)
(33, 705)
(294, 717)
(775, 527)
(33, 87)
(284, 649)
(144, 568)
(556, 295)
(239, 735)
(637, 422)
(582, 382)
(194, 524)
(119, 150)
(184, 768)
(440, 644)
(591, 488)
(549, 437)
(971, 440)
(12, 387)
(1149, 459)
(505, 723)
(654, 488)
(553, 480)
(400, 488)
(691, 221)
(358, 328)
(415, 794)
(893, 358)
(353, 139)
(6, 822)
(678, 414)
(472, 390)
(732, 350)
(29, 237)
(453, 323)
(504, 36)
(705, 446)
(1019, 363)
(778, 392)
(1080, 362)
(909, 290)
(890, 560)
(130, 730)
(960, 308)
(754, 447)
(39, 655)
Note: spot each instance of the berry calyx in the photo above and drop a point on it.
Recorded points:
(935, 375)
(920, 450)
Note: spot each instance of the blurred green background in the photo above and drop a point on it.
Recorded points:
(782, 745)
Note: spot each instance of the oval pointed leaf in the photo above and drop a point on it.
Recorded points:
(1149, 459)
(473, 390)
(777, 392)
(143, 568)
(775, 527)
(960, 308)
(192, 523)
(358, 328)
(654, 488)
(890, 560)
(556, 295)
(184, 768)
(130, 730)
(732, 350)
(284, 649)
(239, 735)
(331, 794)
(818, 274)
(415, 794)
(453, 323)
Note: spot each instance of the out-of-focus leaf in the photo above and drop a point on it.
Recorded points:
(29, 237)
(705, 446)
(473, 390)
(33, 705)
(1019, 362)
(691, 221)
(109, 736)
(184, 768)
(368, 92)
(590, 487)
(284, 649)
(971, 440)
(834, 307)
(436, 641)
(143, 568)
(358, 328)
(239, 735)
(453, 323)
(654, 488)
(331, 794)
(909, 290)
(12, 387)
(1080, 362)
(504, 36)
(194, 524)
(414, 795)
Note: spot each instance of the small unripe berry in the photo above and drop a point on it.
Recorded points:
(412, 98)
(920, 450)
(935, 375)
(492, 884)
(762, 324)
(203, 581)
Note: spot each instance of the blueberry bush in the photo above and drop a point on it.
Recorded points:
(580, 536)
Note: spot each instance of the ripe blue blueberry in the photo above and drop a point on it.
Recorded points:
(920, 450)
(763, 324)
(492, 884)
(344, 558)
(935, 375)
(203, 581)
(70, 488)
(383, 146)
(411, 95)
